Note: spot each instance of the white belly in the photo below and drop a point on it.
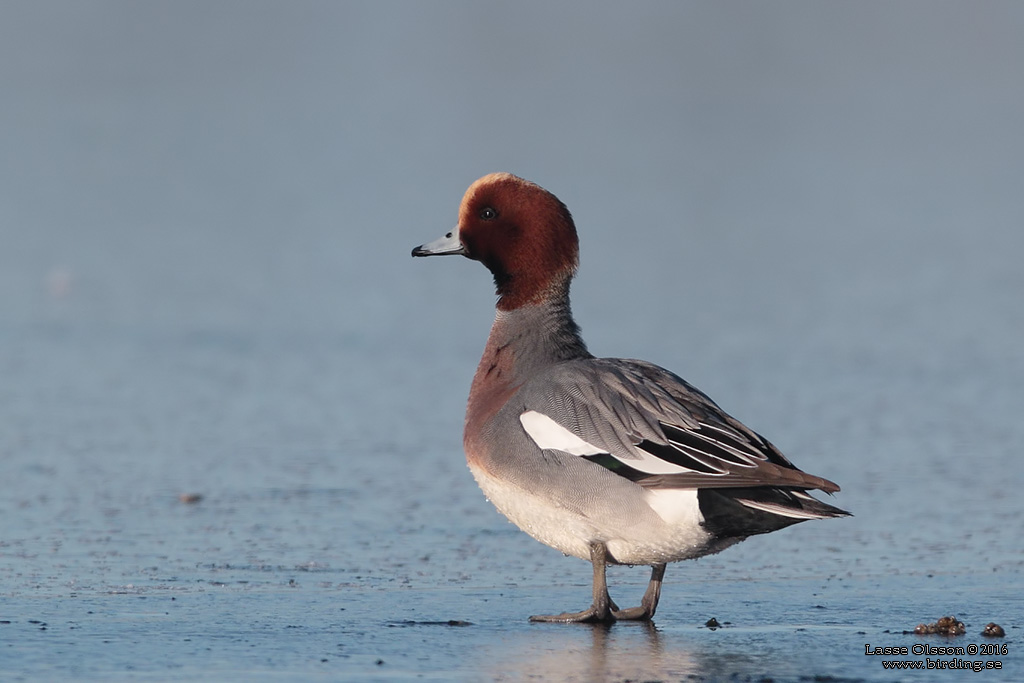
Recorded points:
(656, 527)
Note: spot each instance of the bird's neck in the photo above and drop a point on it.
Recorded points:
(523, 341)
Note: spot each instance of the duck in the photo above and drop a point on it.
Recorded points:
(614, 461)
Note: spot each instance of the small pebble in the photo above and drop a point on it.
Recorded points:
(946, 626)
(993, 630)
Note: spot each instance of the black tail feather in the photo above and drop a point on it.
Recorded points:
(767, 509)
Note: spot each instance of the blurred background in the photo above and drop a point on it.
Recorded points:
(813, 211)
(829, 187)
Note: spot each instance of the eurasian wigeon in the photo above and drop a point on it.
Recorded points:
(609, 460)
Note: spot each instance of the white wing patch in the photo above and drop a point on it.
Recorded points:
(547, 433)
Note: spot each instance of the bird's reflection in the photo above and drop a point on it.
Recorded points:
(593, 652)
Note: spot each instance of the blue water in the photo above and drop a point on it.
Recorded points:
(231, 403)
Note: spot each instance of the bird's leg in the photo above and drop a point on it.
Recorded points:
(650, 600)
(601, 609)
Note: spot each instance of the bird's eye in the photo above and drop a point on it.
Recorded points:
(488, 214)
